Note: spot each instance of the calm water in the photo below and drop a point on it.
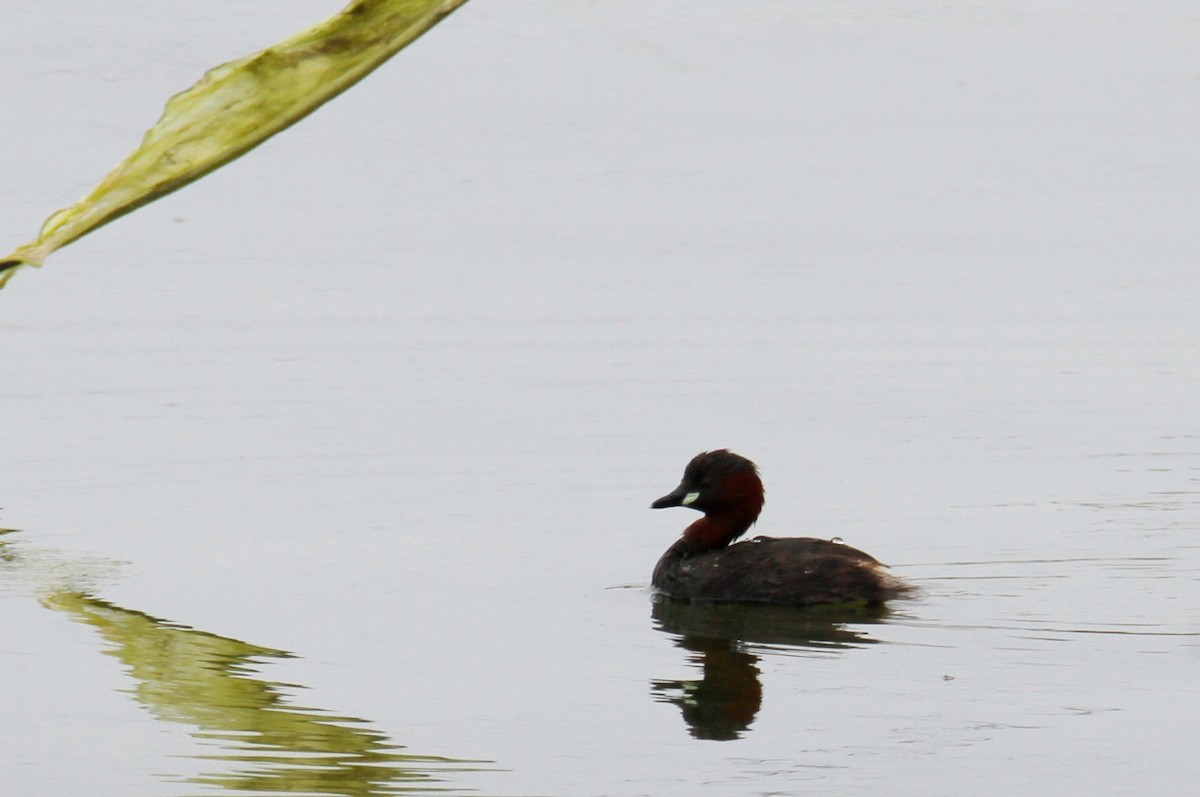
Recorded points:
(331, 474)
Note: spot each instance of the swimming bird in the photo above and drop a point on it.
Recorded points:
(704, 566)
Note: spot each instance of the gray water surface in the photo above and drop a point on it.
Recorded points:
(330, 474)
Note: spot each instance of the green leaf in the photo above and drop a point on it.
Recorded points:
(237, 106)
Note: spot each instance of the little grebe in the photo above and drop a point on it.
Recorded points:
(793, 571)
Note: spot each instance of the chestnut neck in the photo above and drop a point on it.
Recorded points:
(723, 524)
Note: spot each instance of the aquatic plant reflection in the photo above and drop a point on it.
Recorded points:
(723, 703)
(266, 744)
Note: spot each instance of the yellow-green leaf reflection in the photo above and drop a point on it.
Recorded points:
(257, 742)
(267, 745)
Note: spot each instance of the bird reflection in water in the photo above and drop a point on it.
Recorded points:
(724, 702)
(260, 743)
